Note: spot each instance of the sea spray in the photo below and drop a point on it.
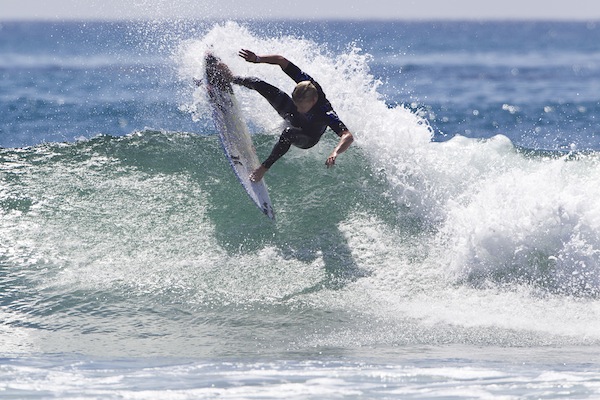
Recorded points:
(481, 214)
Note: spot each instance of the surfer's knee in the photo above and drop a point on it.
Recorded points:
(288, 136)
(298, 137)
(288, 133)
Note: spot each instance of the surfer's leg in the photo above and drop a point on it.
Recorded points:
(279, 100)
(280, 148)
(290, 136)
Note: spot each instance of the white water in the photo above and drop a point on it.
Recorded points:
(510, 246)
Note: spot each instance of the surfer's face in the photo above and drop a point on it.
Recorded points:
(305, 96)
(304, 105)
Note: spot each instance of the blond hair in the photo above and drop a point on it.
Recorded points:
(304, 91)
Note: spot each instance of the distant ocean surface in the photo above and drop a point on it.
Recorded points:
(453, 252)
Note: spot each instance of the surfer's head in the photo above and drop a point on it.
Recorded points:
(305, 96)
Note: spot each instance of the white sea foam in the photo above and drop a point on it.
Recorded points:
(512, 239)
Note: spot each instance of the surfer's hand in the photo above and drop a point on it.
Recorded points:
(346, 140)
(330, 162)
(249, 56)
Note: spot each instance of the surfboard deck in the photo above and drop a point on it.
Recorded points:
(234, 136)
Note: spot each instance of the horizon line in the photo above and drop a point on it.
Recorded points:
(297, 19)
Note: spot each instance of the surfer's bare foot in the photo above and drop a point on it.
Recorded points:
(224, 72)
(258, 173)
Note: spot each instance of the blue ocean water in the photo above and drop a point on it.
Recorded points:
(453, 252)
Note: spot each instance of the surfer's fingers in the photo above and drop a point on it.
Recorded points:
(247, 55)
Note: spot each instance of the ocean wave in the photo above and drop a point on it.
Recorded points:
(405, 241)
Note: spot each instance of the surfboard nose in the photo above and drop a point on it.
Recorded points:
(217, 72)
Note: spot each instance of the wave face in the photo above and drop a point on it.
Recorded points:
(146, 243)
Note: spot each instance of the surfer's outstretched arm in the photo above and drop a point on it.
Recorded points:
(274, 59)
(346, 140)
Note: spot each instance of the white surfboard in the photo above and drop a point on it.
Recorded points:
(234, 136)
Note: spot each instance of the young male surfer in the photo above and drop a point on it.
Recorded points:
(308, 111)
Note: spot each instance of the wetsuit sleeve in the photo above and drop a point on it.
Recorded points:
(335, 123)
(296, 73)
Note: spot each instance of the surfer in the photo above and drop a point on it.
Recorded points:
(308, 111)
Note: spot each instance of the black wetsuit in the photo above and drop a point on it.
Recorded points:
(306, 129)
